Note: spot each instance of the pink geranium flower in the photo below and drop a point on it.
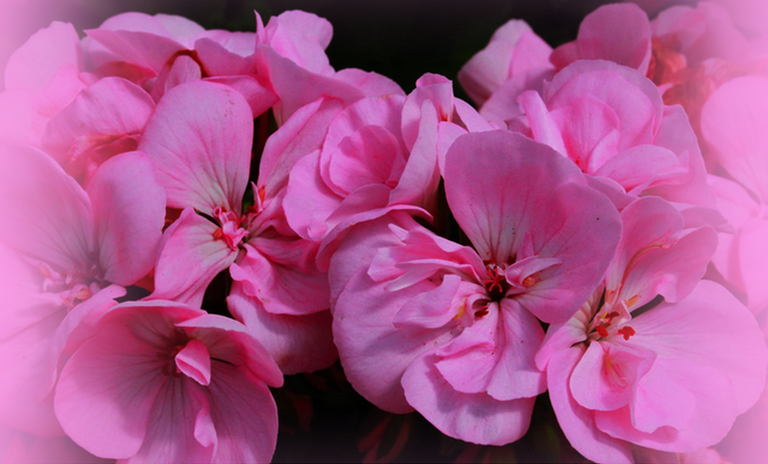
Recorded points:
(74, 254)
(200, 138)
(611, 122)
(163, 382)
(427, 324)
(671, 377)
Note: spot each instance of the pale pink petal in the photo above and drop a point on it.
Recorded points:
(200, 140)
(24, 360)
(36, 62)
(190, 258)
(180, 415)
(219, 54)
(259, 97)
(420, 177)
(473, 417)
(676, 134)
(129, 211)
(635, 99)
(733, 122)
(753, 259)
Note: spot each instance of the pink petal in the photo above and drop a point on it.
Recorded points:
(47, 214)
(477, 418)
(513, 50)
(144, 49)
(36, 62)
(200, 140)
(620, 33)
(301, 134)
(655, 256)
(577, 422)
(301, 37)
(107, 391)
(635, 99)
(372, 351)
(190, 258)
(129, 211)
(606, 375)
(733, 122)
(297, 86)
(194, 361)
(244, 415)
(297, 343)
(308, 200)
(276, 273)
(111, 107)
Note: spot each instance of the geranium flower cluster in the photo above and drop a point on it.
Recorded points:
(189, 215)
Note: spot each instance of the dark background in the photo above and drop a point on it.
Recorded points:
(322, 419)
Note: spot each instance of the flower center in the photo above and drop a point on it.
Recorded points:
(496, 282)
(609, 323)
(232, 228)
(68, 289)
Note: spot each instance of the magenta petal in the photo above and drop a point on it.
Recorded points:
(190, 258)
(195, 362)
(473, 417)
(129, 211)
(200, 140)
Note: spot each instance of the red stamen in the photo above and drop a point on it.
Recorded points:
(602, 331)
(218, 233)
(481, 313)
(611, 316)
(626, 331)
